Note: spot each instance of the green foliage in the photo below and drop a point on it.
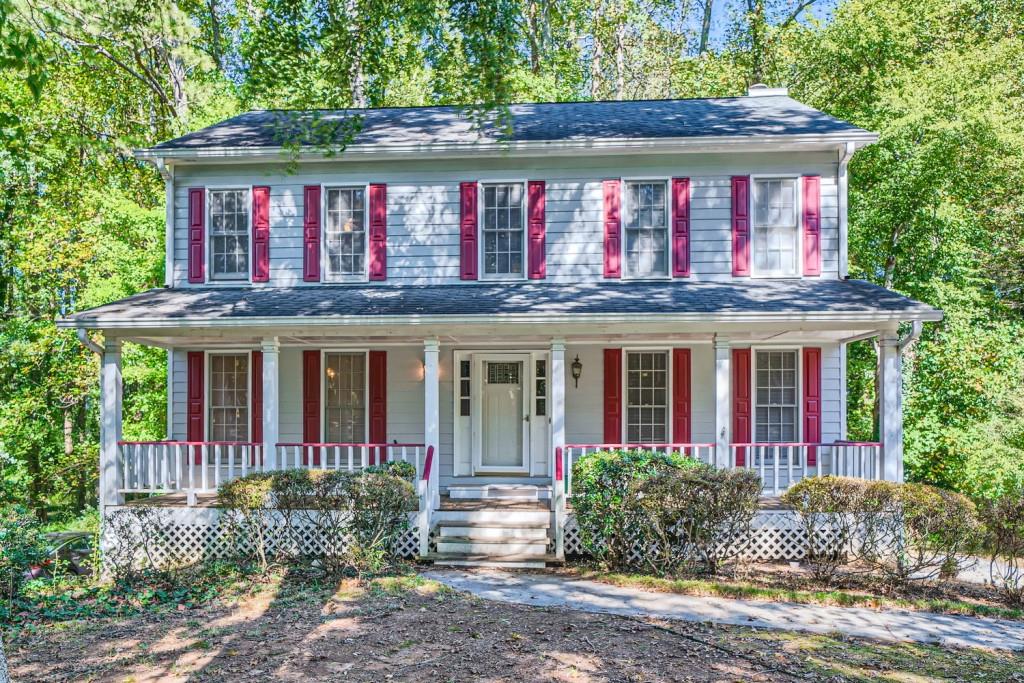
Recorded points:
(826, 506)
(606, 498)
(1004, 541)
(398, 468)
(22, 547)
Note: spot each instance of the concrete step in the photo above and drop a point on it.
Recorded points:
(494, 549)
(500, 492)
(483, 560)
(494, 531)
(493, 516)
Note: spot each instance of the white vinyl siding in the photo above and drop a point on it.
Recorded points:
(229, 234)
(776, 229)
(345, 234)
(503, 229)
(229, 397)
(345, 397)
(646, 229)
(647, 405)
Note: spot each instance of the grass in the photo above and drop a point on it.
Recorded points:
(737, 589)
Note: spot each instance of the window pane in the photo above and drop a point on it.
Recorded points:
(646, 397)
(775, 226)
(345, 397)
(345, 232)
(229, 397)
(776, 397)
(646, 226)
(503, 229)
(229, 234)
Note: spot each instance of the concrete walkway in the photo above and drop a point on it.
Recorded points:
(546, 590)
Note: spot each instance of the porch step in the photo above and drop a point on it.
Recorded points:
(494, 549)
(495, 531)
(500, 492)
(486, 561)
(492, 516)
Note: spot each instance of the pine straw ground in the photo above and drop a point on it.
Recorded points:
(302, 628)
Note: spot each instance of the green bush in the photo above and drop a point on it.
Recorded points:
(1004, 543)
(247, 502)
(22, 547)
(825, 504)
(605, 499)
(695, 515)
(399, 468)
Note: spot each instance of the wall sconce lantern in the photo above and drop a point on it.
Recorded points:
(577, 370)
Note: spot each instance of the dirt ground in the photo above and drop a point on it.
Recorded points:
(409, 629)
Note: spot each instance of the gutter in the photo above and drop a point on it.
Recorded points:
(843, 179)
(87, 342)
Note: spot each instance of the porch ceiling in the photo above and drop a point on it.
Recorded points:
(762, 309)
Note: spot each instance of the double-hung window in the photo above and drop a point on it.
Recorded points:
(776, 233)
(345, 233)
(229, 397)
(345, 397)
(646, 228)
(229, 234)
(647, 397)
(503, 229)
(775, 402)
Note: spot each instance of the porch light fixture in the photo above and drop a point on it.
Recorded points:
(577, 370)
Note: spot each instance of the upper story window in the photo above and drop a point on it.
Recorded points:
(775, 384)
(229, 397)
(647, 397)
(229, 234)
(776, 234)
(503, 218)
(646, 226)
(345, 397)
(345, 233)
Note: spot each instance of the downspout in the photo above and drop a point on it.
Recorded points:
(916, 327)
(87, 342)
(844, 187)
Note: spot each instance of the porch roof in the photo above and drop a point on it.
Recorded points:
(682, 301)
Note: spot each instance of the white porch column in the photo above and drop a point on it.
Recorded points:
(271, 400)
(557, 408)
(723, 400)
(890, 415)
(110, 424)
(431, 407)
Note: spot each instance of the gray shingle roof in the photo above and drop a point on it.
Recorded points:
(782, 297)
(727, 117)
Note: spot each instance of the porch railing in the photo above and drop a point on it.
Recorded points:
(704, 452)
(204, 466)
(780, 465)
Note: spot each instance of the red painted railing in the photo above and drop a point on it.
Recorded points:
(428, 463)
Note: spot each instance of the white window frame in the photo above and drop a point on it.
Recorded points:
(208, 388)
(324, 270)
(481, 264)
(323, 389)
(624, 208)
(798, 208)
(624, 379)
(798, 350)
(211, 276)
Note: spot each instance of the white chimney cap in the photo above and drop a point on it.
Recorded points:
(762, 90)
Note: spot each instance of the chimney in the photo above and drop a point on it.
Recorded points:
(762, 90)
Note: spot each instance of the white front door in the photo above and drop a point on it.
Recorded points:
(502, 430)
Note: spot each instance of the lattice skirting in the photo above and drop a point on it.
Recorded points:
(163, 537)
(775, 535)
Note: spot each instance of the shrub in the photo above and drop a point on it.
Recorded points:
(22, 547)
(380, 505)
(696, 515)
(398, 468)
(825, 504)
(1004, 541)
(247, 502)
(605, 499)
(914, 531)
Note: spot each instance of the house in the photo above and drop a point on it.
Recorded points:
(490, 303)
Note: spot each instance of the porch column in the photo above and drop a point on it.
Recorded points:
(723, 400)
(557, 408)
(431, 408)
(271, 398)
(890, 414)
(110, 424)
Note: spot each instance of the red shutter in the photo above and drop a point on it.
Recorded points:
(379, 232)
(311, 233)
(812, 225)
(256, 435)
(260, 234)
(613, 396)
(196, 235)
(680, 227)
(468, 231)
(741, 225)
(378, 399)
(195, 391)
(536, 230)
(681, 396)
(311, 402)
(812, 401)
(612, 229)
(740, 401)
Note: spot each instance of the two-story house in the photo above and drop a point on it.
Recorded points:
(664, 273)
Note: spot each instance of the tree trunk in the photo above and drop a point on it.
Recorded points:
(705, 27)
(356, 76)
(620, 54)
(596, 65)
